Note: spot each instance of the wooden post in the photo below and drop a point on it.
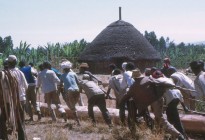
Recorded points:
(120, 17)
(193, 123)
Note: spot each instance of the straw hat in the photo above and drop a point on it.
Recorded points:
(137, 74)
(84, 65)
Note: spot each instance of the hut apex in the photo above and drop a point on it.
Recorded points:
(120, 17)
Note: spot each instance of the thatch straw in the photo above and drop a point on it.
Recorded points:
(119, 40)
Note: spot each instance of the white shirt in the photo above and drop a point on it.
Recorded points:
(48, 80)
(22, 83)
(91, 88)
(114, 83)
(184, 81)
(171, 94)
(199, 83)
(127, 80)
(34, 72)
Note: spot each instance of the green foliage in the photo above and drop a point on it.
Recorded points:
(6, 44)
(200, 106)
(1, 63)
(22, 51)
(181, 55)
(51, 52)
(6, 47)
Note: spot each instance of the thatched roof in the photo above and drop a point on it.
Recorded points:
(119, 40)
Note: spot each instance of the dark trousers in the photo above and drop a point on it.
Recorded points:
(173, 115)
(130, 106)
(31, 96)
(21, 125)
(134, 113)
(99, 101)
(122, 112)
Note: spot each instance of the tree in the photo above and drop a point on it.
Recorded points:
(22, 51)
(162, 45)
(6, 45)
(152, 38)
(1, 44)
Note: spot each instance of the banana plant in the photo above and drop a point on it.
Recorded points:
(22, 51)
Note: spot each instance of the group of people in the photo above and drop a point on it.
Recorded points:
(24, 82)
(130, 86)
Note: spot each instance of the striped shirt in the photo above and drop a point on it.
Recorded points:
(22, 83)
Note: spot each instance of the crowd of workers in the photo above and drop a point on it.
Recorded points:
(19, 88)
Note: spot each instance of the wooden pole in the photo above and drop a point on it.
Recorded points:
(120, 17)
(192, 123)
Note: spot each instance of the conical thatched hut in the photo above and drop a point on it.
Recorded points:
(119, 42)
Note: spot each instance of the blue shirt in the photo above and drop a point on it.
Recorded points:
(70, 81)
(57, 72)
(28, 75)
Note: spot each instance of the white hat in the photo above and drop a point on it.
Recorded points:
(12, 58)
(66, 64)
(124, 65)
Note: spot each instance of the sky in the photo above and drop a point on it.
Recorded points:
(39, 22)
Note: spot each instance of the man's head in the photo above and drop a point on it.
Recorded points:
(41, 67)
(166, 62)
(31, 64)
(22, 63)
(12, 61)
(153, 69)
(112, 67)
(130, 66)
(170, 71)
(147, 71)
(196, 67)
(6, 64)
(137, 74)
(124, 66)
(157, 74)
(83, 67)
(202, 64)
(116, 71)
(47, 65)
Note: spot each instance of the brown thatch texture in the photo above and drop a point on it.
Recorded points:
(119, 40)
